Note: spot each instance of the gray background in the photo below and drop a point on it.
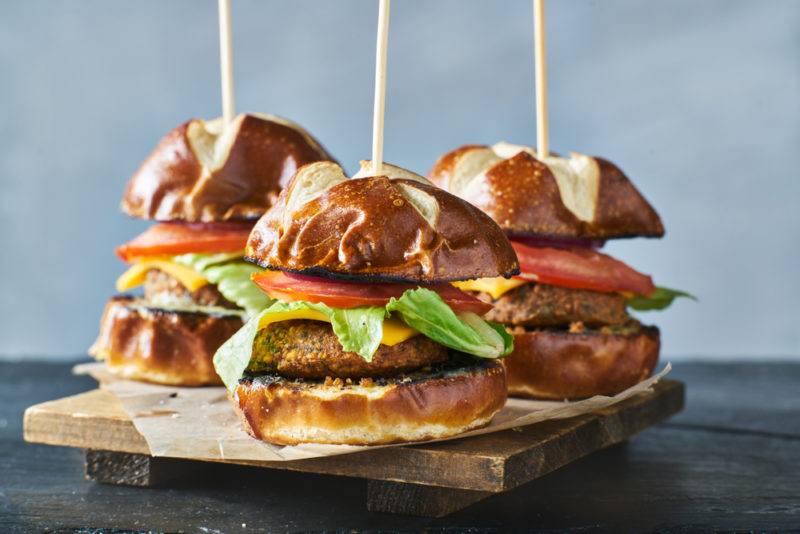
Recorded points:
(696, 100)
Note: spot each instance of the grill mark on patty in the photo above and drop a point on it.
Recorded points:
(631, 328)
(303, 348)
(159, 284)
(456, 363)
(544, 305)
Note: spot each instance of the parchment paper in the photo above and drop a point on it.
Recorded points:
(200, 423)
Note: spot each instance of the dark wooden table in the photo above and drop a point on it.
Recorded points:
(731, 460)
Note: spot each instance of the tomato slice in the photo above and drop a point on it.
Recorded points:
(580, 269)
(560, 242)
(182, 238)
(351, 294)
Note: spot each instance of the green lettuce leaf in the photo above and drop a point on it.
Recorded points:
(232, 278)
(425, 311)
(359, 329)
(233, 281)
(508, 338)
(661, 298)
(200, 262)
(233, 357)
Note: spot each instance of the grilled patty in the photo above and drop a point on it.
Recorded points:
(309, 349)
(543, 305)
(160, 286)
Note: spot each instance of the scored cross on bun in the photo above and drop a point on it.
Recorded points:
(208, 185)
(568, 310)
(200, 172)
(393, 227)
(564, 197)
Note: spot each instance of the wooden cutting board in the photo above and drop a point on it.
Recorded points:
(429, 479)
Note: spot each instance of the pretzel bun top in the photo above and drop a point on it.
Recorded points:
(396, 226)
(563, 197)
(202, 172)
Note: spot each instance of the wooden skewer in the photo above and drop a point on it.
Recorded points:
(380, 86)
(226, 61)
(540, 69)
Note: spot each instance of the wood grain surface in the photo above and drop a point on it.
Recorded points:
(490, 462)
(727, 462)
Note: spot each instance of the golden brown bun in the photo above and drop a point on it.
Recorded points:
(562, 365)
(426, 407)
(198, 174)
(161, 346)
(377, 227)
(593, 199)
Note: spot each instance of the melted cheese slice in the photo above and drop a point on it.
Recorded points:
(493, 286)
(188, 277)
(394, 331)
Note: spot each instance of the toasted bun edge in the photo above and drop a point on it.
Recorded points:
(284, 413)
(161, 346)
(562, 365)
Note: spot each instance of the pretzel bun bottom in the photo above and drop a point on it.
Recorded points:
(414, 407)
(561, 365)
(161, 346)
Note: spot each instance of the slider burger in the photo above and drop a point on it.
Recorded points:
(368, 342)
(568, 308)
(205, 188)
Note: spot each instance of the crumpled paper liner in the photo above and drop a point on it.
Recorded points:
(200, 424)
